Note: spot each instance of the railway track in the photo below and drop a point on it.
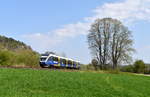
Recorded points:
(38, 68)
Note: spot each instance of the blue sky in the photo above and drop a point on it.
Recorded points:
(62, 25)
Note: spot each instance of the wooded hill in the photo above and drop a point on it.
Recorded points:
(16, 53)
(12, 44)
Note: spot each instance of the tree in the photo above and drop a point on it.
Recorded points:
(139, 66)
(110, 42)
(95, 63)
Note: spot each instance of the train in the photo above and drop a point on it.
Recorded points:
(51, 60)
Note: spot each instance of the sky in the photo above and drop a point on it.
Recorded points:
(62, 25)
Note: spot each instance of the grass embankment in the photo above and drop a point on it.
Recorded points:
(46, 83)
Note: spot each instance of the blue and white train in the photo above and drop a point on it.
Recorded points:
(50, 60)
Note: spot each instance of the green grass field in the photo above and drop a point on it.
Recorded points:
(50, 83)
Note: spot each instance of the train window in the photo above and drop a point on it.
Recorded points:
(50, 58)
(79, 64)
(69, 62)
(74, 63)
(44, 54)
(55, 59)
(63, 61)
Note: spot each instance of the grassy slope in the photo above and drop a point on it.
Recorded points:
(46, 83)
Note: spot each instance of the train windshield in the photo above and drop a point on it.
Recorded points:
(43, 58)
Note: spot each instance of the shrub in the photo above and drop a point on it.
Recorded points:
(83, 67)
(90, 67)
(127, 68)
(147, 69)
(95, 64)
(3, 58)
(139, 66)
(6, 57)
(21, 57)
(27, 57)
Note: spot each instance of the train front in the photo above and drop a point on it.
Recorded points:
(43, 60)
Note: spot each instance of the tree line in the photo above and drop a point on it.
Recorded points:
(139, 66)
(12, 44)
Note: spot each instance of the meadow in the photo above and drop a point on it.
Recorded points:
(59, 83)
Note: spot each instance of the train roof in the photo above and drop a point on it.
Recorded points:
(60, 57)
(44, 54)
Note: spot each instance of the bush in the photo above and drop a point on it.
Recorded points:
(90, 67)
(139, 66)
(147, 69)
(87, 67)
(95, 64)
(4, 58)
(27, 57)
(127, 68)
(21, 57)
(83, 67)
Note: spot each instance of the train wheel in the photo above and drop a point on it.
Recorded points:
(42, 66)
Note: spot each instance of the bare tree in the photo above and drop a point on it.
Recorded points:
(110, 42)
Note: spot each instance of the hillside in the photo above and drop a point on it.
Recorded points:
(16, 53)
(46, 83)
(12, 44)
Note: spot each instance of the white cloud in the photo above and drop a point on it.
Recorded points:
(44, 41)
(72, 30)
(128, 11)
